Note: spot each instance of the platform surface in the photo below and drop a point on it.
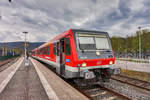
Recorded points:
(24, 85)
(61, 89)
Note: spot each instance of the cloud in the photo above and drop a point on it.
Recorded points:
(46, 19)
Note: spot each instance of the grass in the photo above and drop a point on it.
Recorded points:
(135, 74)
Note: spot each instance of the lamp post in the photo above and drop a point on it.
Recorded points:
(139, 42)
(25, 47)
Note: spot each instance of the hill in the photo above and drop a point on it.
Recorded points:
(20, 45)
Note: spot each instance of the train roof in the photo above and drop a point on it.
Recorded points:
(86, 30)
(66, 33)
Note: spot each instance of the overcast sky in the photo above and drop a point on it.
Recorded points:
(44, 19)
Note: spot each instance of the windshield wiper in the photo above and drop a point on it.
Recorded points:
(107, 50)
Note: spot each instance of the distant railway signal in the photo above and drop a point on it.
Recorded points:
(23, 45)
(9, 0)
(139, 27)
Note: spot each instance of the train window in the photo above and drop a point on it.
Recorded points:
(58, 48)
(68, 48)
(54, 48)
(86, 43)
(93, 42)
(44, 50)
(48, 49)
(102, 43)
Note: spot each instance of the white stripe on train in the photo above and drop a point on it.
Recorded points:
(70, 68)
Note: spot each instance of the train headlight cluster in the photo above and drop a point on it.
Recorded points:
(110, 62)
(83, 64)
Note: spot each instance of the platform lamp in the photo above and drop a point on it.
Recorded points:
(25, 46)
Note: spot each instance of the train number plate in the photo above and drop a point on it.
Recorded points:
(89, 75)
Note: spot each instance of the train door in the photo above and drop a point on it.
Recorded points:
(62, 57)
(57, 45)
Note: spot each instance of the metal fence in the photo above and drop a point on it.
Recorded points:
(132, 55)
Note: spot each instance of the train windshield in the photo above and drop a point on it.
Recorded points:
(93, 42)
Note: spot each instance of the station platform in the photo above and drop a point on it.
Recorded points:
(34, 82)
(24, 85)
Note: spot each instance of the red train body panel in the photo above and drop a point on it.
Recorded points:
(76, 53)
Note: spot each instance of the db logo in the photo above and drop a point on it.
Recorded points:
(99, 62)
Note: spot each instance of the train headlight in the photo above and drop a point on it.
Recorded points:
(83, 64)
(111, 62)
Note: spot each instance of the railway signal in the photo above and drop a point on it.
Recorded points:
(23, 45)
(9, 0)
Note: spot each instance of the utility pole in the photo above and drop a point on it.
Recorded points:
(126, 52)
(25, 47)
(140, 31)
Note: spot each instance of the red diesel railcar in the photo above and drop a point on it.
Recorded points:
(80, 54)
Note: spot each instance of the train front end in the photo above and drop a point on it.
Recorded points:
(95, 58)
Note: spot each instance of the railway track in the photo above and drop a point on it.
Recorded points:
(132, 81)
(7, 64)
(98, 92)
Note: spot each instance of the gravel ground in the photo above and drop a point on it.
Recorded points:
(127, 90)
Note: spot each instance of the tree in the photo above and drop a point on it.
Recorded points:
(131, 43)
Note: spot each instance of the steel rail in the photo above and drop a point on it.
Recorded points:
(10, 61)
(5, 62)
(131, 83)
(117, 94)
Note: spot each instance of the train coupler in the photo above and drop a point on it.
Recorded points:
(87, 74)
